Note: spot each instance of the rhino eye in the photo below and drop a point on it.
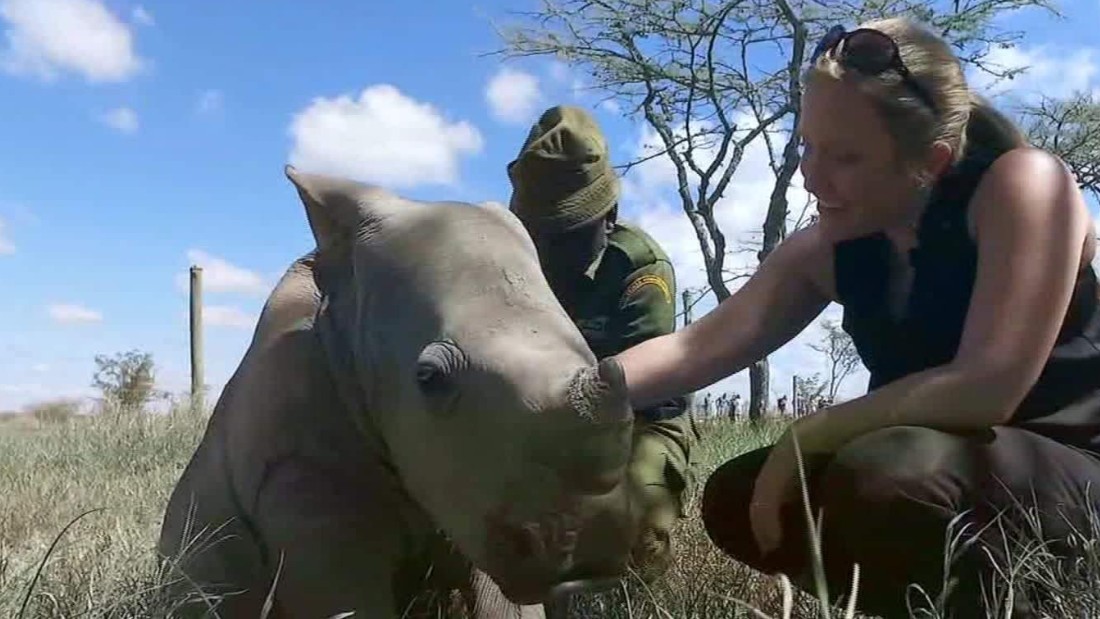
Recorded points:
(431, 378)
(436, 367)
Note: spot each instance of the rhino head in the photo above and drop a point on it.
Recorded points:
(492, 409)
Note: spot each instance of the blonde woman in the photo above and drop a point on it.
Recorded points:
(962, 259)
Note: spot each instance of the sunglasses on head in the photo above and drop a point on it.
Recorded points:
(870, 52)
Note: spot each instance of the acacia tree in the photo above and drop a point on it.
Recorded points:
(1071, 128)
(126, 380)
(806, 391)
(710, 77)
(840, 353)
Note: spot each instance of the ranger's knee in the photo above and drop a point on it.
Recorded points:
(660, 460)
(659, 475)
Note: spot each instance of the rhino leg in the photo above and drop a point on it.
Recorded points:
(211, 569)
(210, 556)
(339, 544)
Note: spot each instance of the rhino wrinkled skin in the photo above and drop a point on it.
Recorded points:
(414, 374)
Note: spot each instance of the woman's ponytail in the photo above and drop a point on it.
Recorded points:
(990, 130)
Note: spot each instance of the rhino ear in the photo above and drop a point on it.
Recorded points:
(337, 207)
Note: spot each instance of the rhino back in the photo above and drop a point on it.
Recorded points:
(282, 408)
(205, 506)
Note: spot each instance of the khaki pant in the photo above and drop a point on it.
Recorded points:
(889, 499)
(661, 475)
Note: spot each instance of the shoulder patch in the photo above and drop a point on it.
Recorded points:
(649, 280)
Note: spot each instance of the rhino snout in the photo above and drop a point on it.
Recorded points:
(586, 441)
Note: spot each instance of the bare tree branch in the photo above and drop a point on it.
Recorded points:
(1070, 128)
(840, 353)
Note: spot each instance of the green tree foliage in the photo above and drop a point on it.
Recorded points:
(126, 380)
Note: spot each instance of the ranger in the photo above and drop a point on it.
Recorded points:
(617, 285)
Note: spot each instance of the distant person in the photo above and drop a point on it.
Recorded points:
(619, 287)
(962, 258)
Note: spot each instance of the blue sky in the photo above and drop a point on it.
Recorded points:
(141, 138)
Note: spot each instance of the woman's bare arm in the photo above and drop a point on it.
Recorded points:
(778, 301)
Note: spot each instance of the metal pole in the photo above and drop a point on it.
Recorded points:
(197, 382)
(686, 295)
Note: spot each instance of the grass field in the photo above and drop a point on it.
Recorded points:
(103, 566)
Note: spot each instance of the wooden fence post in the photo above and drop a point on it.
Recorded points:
(794, 395)
(197, 382)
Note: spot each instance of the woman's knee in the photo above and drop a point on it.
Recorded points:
(725, 503)
(898, 464)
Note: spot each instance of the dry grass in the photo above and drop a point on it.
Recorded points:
(103, 565)
(704, 583)
(54, 473)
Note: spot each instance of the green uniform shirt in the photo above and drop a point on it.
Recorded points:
(627, 295)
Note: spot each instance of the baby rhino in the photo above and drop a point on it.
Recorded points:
(412, 379)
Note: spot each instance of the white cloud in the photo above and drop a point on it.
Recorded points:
(21, 389)
(210, 101)
(1048, 71)
(513, 96)
(382, 136)
(46, 38)
(69, 313)
(561, 72)
(122, 119)
(16, 397)
(140, 15)
(227, 316)
(40, 368)
(7, 247)
(219, 275)
(568, 78)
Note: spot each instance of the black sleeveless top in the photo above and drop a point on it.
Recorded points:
(1064, 404)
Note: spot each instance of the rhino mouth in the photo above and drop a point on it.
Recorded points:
(585, 585)
(536, 560)
(536, 591)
